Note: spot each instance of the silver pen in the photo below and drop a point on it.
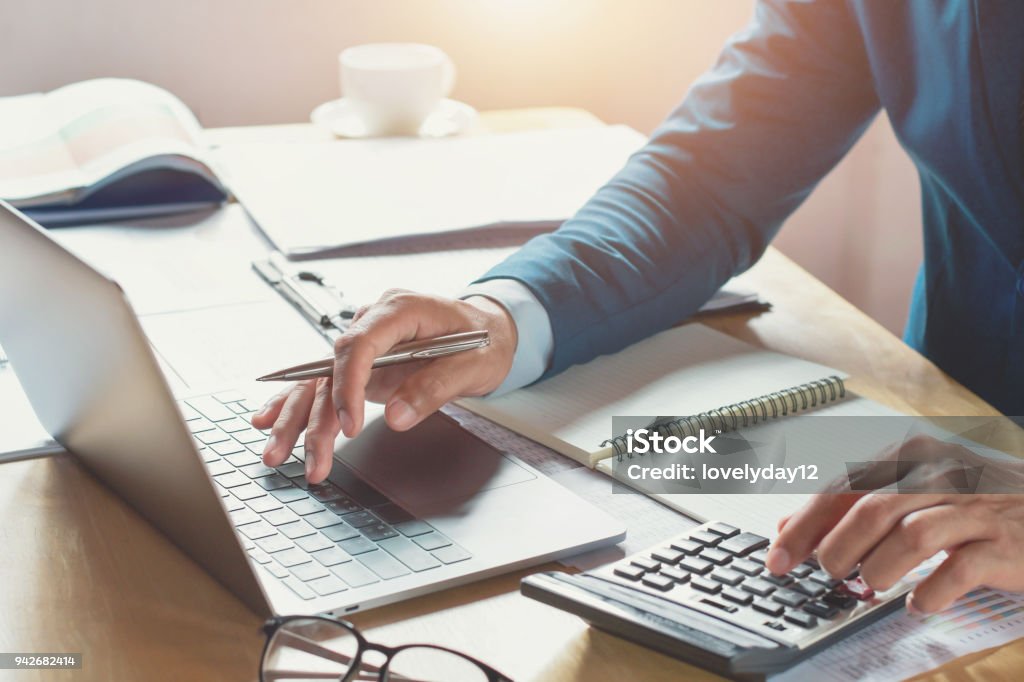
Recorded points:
(423, 349)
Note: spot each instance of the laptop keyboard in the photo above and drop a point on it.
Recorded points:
(719, 569)
(318, 540)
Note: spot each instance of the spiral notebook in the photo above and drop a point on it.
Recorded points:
(693, 372)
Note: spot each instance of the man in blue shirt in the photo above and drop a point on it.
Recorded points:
(699, 203)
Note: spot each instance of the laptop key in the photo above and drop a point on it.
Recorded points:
(299, 587)
(343, 506)
(280, 517)
(452, 554)
(309, 571)
(292, 469)
(431, 541)
(197, 426)
(313, 543)
(188, 413)
(291, 557)
(264, 504)
(273, 482)
(248, 492)
(322, 519)
(248, 436)
(357, 545)
(288, 495)
(232, 503)
(260, 556)
(325, 492)
(332, 556)
(274, 543)
(244, 516)
(243, 458)
(211, 437)
(218, 467)
(227, 447)
(409, 553)
(231, 480)
(255, 531)
(411, 529)
(327, 585)
(354, 574)
(233, 425)
(360, 519)
(383, 564)
(339, 532)
(210, 408)
(277, 570)
(392, 513)
(208, 455)
(296, 529)
(378, 532)
(305, 506)
(257, 470)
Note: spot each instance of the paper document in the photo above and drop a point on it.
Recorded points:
(902, 645)
(313, 198)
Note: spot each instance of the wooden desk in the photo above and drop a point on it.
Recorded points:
(80, 571)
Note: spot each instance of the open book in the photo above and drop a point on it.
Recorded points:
(101, 150)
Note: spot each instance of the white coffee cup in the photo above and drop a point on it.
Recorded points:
(393, 87)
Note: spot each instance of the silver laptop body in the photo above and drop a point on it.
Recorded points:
(90, 374)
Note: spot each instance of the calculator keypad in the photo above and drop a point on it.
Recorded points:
(719, 569)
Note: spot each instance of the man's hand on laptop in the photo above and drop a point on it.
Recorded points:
(411, 392)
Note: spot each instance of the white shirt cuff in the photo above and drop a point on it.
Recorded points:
(535, 339)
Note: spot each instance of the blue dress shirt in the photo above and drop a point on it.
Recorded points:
(787, 98)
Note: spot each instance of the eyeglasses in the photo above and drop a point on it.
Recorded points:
(321, 648)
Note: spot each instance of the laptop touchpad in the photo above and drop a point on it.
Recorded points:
(433, 468)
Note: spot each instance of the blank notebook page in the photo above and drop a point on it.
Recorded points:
(682, 371)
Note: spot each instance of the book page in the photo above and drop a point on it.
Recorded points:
(682, 371)
(77, 135)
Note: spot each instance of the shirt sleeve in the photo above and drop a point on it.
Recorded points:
(533, 328)
(788, 96)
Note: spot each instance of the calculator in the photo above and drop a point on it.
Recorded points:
(706, 597)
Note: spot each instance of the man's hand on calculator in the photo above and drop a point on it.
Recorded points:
(888, 533)
(411, 392)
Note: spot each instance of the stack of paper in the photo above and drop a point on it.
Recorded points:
(316, 198)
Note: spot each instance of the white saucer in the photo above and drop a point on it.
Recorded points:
(450, 118)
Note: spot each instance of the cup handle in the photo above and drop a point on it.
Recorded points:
(447, 76)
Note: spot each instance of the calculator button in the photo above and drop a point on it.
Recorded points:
(759, 556)
(629, 572)
(743, 544)
(780, 580)
(689, 547)
(727, 576)
(762, 588)
(840, 599)
(658, 582)
(858, 589)
(737, 596)
(801, 571)
(789, 597)
(769, 607)
(824, 578)
(667, 555)
(716, 556)
(705, 538)
(695, 565)
(821, 609)
(705, 585)
(808, 587)
(676, 574)
(746, 566)
(804, 620)
(649, 565)
(723, 529)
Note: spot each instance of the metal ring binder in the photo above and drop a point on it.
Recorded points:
(753, 411)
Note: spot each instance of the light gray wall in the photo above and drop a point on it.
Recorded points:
(264, 61)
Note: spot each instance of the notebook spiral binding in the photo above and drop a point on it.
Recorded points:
(745, 413)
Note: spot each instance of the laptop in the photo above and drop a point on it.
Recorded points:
(402, 514)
